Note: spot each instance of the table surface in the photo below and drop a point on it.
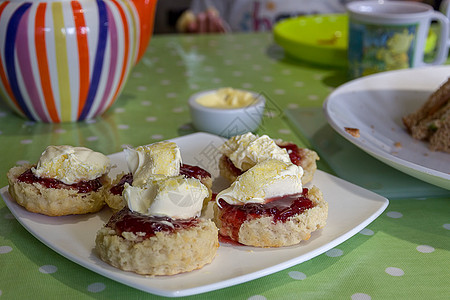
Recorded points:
(405, 253)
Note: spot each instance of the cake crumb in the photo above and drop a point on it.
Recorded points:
(352, 131)
(398, 145)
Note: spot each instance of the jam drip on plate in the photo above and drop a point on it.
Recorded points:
(146, 226)
(185, 170)
(280, 208)
(81, 187)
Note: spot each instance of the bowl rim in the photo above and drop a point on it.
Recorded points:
(261, 100)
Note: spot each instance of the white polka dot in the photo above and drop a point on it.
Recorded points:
(91, 121)
(0, 292)
(360, 296)
(165, 82)
(160, 70)
(22, 162)
(318, 76)
(237, 73)
(257, 297)
(194, 87)
(334, 252)
(96, 287)
(284, 131)
(137, 74)
(270, 114)
(178, 109)
(267, 78)
(257, 67)
(48, 269)
(280, 92)
(5, 249)
(92, 138)
(299, 83)
(366, 231)
(228, 62)
(26, 142)
(209, 69)
(2, 114)
(60, 130)
(394, 271)
(286, 72)
(394, 214)
(297, 275)
(123, 126)
(171, 95)
(446, 226)
(292, 105)
(425, 249)
(313, 97)
(142, 88)
(157, 136)
(119, 110)
(217, 80)
(1, 132)
(247, 85)
(151, 119)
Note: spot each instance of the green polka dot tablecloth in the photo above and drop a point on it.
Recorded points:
(403, 254)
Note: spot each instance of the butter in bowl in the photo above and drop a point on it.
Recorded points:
(226, 112)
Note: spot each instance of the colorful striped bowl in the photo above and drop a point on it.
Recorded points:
(65, 61)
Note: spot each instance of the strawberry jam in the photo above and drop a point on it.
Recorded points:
(294, 153)
(81, 187)
(146, 226)
(185, 170)
(280, 208)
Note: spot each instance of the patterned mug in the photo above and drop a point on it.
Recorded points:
(68, 60)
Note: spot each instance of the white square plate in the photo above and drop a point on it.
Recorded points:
(351, 208)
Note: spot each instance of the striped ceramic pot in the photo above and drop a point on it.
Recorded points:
(64, 60)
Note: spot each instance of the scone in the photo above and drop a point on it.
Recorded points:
(267, 207)
(159, 231)
(178, 246)
(171, 164)
(66, 180)
(242, 152)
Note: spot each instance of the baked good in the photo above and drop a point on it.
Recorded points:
(159, 231)
(242, 152)
(188, 245)
(144, 155)
(431, 122)
(66, 180)
(267, 207)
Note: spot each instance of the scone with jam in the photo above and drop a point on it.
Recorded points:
(242, 152)
(159, 231)
(161, 158)
(66, 180)
(267, 206)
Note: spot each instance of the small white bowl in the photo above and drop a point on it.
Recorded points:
(226, 122)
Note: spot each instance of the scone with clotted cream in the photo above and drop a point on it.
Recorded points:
(161, 158)
(241, 152)
(159, 231)
(267, 206)
(66, 180)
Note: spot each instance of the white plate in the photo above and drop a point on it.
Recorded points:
(376, 104)
(351, 208)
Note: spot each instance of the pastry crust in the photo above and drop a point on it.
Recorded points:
(37, 198)
(264, 232)
(308, 163)
(162, 254)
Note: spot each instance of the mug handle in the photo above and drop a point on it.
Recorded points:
(444, 38)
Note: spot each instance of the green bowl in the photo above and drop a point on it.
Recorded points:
(320, 39)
